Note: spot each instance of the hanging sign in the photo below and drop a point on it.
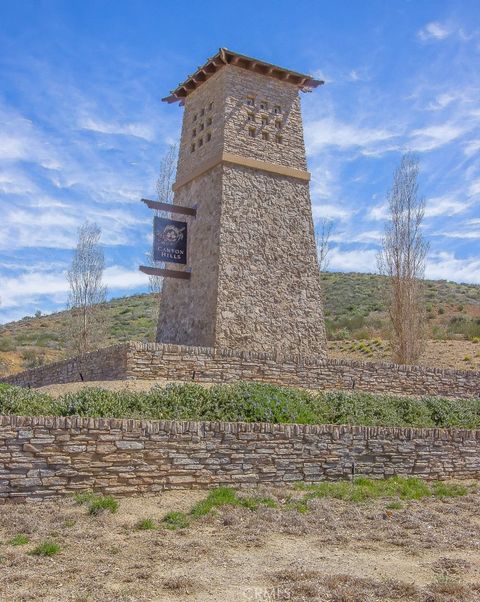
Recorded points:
(169, 240)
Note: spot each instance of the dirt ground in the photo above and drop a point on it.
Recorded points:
(427, 551)
(459, 355)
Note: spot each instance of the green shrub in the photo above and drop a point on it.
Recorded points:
(28, 402)
(225, 496)
(96, 503)
(363, 488)
(146, 524)
(249, 402)
(102, 503)
(32, 359)
(19, 540)
(46, 548)
(176, 520)
(6, 344)
(84, 497)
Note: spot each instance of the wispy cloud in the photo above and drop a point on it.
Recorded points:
(446, 266)
(139, 130)
(359, 260)
(445, 205)
(434, 136)
(328, 211)
(434, 31)
(330, 132)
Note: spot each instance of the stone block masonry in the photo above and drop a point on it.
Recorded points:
(151, 361)
(42, 458)
(254, 283)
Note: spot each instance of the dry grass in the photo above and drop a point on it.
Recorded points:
(450, 354)
(338, 551)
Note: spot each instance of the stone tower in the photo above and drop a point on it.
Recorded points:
(255, 282)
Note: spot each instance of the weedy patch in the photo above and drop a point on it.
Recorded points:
(46, 548)
(146, 524)
(362, 489)
(395, 505)
(217, 498)
(180, 584)
(451, 566)
(175, 520)
(85, 497)
(19, 540)
(100, 504)
(227, 496)
(97, 503)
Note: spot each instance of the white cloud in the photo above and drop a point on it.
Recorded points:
(445, 205)
(471, 147)
(119, 278)
(445, 266)
(40, 283)
(359, 260)
(329, 211)
(14, 181)
(463, 234)
(139, 130)
(474, 187)
(21, 141)
(434, 136)
(379, 212)
(328, 132)
(442, 101)
(26, 288)
(434, 31)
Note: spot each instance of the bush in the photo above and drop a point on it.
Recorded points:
(96, 503)
(32, 359)
(6, 344)
(19, 540)
(248, 402)
(28, 402)
(102, 503)
(146, 524)
(363, 488)
(46, 548)
(175, 520)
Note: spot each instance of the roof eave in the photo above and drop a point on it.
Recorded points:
(304, 82)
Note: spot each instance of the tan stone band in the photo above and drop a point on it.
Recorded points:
(245, 162)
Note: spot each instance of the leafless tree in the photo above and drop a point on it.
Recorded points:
(402, 260)
(87, 292)
(165, 181)
(166, 175)
(323, 243)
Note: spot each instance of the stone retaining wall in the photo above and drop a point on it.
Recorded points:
(151, 361)
(49, 457)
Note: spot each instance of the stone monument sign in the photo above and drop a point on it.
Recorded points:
(253, 281)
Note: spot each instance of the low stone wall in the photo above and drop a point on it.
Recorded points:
(49, 457)
(109, 363)
(203, 364)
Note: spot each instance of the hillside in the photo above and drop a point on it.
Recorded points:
(354, 312)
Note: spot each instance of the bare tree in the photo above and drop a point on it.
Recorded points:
(166, 175)
(402, 260)
(323, 243)
(164, 184)
(87, 291)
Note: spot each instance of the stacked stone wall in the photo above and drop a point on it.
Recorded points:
(150, 361)
(109, 363)
(43, 458)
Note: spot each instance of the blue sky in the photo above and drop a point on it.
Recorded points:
(82, 128)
